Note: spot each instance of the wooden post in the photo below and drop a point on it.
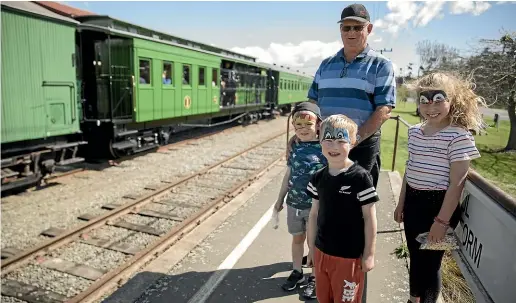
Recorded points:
(395, 142)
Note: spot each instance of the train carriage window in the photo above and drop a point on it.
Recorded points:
(214, 77)
(186, 74)
(202, 76)
(167, 73)
(145, 71)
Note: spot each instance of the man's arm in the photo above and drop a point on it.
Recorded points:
(374, 123)
(384, 100)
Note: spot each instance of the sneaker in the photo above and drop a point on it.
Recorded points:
(309, 291)
(295, 278)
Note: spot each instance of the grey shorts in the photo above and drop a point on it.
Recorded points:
(297, 220)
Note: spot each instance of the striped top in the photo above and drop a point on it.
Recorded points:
(354, 89)
(430, 156)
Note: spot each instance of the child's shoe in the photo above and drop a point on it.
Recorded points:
(309, 291)
(295, 278)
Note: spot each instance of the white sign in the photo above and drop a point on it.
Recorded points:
(487, 234)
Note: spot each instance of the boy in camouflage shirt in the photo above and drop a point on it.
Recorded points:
(305, 158)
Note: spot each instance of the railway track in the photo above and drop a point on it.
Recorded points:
(182, 138)
(130, 233)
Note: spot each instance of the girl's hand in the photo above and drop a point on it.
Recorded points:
(398, 213)
(437, 232)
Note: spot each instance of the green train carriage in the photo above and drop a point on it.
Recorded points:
(40, 122)
(124, 89)
(144, 85)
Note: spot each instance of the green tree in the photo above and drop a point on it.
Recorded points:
(493, 69)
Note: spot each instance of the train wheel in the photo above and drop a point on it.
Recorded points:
(114, 153)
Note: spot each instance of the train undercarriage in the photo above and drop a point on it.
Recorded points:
(26, 166)
(122, 138)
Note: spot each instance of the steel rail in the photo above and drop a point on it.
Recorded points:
(116, 277)
(58, 176)
(10, 264)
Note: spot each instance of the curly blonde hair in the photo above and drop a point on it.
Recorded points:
(464, 103)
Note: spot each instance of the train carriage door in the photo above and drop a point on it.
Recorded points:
(121, 54)
(58, 80)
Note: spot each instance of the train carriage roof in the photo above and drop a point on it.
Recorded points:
(115, 26)
(109, 22)
(35, 9)
(86, 19)
(63, 9)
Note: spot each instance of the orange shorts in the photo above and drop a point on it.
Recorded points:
(337, 279)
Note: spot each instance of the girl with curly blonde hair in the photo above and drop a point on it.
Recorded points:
(440, 150)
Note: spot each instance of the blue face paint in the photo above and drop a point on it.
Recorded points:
(335, 133)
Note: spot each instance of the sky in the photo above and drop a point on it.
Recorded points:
(301, 34)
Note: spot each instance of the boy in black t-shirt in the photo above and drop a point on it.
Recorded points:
(342, 221)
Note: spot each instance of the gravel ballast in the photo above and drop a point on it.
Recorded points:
(26, 215)
(181, 201)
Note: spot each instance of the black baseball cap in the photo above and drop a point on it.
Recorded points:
(356, 12)
(308, 106)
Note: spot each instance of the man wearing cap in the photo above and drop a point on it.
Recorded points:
(359, 83)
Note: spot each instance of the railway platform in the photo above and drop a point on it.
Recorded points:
(236, 255)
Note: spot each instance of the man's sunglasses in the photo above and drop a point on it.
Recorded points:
(356, 28)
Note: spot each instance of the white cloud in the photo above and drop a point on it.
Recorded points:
(292, 55)
(403, 12)
(474, 7)
(378, 39)
(429, 11)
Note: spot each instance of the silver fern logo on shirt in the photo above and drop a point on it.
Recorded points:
(343, 190)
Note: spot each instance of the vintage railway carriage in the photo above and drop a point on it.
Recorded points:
(116, 88)
(140, 85)
(40, 118)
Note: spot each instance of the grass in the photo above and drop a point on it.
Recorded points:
(497, 167)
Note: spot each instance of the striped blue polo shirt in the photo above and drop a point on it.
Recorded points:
(352, 88)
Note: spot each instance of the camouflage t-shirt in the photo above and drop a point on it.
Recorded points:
(304, 160)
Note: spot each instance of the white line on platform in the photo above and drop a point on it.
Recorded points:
(207, 289)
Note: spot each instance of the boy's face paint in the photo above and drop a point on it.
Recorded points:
(336, 144)
(305, 126)
(334, 133)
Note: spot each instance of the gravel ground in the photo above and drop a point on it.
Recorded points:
(96, 257)
(215, 183)
(24, 216)
(5, 299)
(62, 283)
